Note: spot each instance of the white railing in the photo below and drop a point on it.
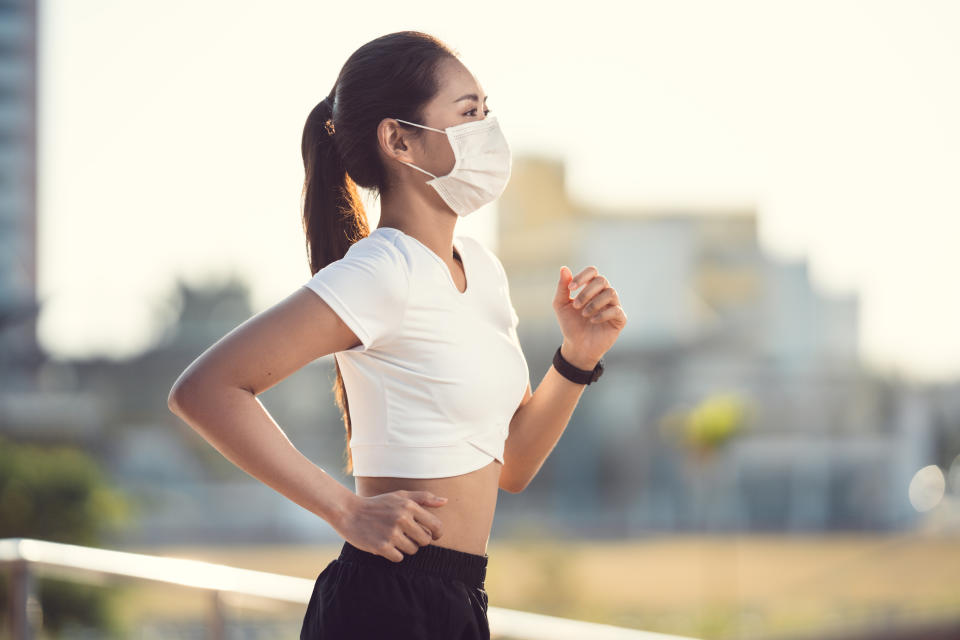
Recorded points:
(90, 563)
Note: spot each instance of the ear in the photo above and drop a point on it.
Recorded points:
(394, 139)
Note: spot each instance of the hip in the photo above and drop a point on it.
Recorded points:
(433, 593)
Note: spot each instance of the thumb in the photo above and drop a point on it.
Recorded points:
(562, 295)
(426, 496)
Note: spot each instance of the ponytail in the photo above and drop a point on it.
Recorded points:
(333, 218)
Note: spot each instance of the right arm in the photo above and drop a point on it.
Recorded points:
(217, 396)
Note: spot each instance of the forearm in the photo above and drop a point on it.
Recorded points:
(236, 424)
(538, 425)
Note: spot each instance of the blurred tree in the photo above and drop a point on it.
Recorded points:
(706, 427)
(59, 494)
(701, 432)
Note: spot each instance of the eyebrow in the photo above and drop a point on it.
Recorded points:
(471, 96)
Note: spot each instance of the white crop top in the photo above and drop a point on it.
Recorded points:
(439, 373)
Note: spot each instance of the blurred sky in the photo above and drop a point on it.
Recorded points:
(170, 137)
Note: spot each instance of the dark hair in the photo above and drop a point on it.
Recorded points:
(393, 76)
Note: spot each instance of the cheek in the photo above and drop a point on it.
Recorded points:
(442, 157)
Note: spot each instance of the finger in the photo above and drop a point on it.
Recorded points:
(424, 518)
(402, 542)
(582, 278)
(562, 295)
(416, 532)
(391, 553)
(428, 521)
(608, 313)
(426, 497)
(428, 531)
(596, 284)
(600, 301)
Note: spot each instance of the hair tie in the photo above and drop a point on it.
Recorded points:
(328, 123)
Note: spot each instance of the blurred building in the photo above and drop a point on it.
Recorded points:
(709, 311)
(18, 191)
(684, 277)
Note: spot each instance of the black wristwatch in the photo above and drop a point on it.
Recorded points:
(576, 374)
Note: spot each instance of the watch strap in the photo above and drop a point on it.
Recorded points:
(576, 374)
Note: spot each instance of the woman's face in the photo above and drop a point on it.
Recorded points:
(460, 99)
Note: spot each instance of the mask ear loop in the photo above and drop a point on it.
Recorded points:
(419, 169)
(424, 127)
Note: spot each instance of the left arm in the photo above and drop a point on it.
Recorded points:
(590, 323)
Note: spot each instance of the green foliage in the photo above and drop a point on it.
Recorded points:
(714, 421)
(56, 493)
(59, 494)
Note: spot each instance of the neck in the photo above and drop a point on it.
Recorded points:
(431, 223)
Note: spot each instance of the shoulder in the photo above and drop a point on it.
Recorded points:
(372, 264)
(368, 287)
(378, 242)
(381, 252)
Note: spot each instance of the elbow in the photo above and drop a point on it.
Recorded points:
(515, 488)
(511, 485)
(179, 394)
(192, 395)
(173, 399)
(518, 488)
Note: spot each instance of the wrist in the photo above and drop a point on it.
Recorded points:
(340, 507)
(576, 359)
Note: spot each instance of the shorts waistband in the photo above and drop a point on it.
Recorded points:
(469, 568)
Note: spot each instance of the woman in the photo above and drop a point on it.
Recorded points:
(424, 336)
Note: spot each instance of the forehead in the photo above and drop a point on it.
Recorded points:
(456, 80)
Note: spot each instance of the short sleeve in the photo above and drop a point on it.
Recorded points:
(368, 288)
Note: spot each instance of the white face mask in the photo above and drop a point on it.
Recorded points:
(481, 168)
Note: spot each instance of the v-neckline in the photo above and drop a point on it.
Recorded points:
(458, 245)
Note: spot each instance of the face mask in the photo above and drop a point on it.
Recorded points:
(481, 168)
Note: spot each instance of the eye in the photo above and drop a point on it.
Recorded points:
(474, 110)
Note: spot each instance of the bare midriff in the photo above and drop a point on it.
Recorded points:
(467, 516)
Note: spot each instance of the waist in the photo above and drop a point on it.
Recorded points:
(467, 516)
(469, 568)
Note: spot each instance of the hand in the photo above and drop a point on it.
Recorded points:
(591, 321)
(389, 523)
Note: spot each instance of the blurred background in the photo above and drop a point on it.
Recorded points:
(771, 187)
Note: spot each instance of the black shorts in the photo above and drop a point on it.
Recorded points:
(435, 593)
